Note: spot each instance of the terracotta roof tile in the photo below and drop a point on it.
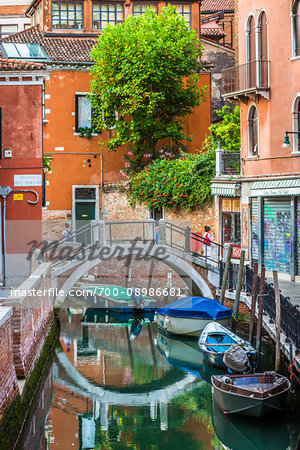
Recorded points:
(60, 49)
(217, 5)
(11, 65)
(212, 32)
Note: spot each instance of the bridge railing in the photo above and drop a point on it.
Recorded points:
(186, 240)
(117, 232)
(290, 314)
(125, 232)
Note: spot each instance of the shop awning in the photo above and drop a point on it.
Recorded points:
(225, 189)
(276, 188)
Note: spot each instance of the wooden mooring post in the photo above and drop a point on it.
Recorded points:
(225, 275)
(253, 303)
(260, 308)
(238, 291)
(277, 320)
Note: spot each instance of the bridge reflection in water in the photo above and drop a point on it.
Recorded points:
(119, 383)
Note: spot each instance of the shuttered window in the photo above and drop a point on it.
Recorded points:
(277, 234)
(254, 229)
(298, 235)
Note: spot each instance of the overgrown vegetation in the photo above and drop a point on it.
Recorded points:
(145, 82)
(173, 183)
(227, 131)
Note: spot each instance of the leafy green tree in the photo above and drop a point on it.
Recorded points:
(227, 131)
(145, 82)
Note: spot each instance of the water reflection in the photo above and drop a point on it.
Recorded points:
(247, 433)
(119, 383)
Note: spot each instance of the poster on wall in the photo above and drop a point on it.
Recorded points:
(245, 225)
(226, 204)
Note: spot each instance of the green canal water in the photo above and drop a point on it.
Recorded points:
(117, 383)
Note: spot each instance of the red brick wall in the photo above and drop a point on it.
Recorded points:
(32, 320)
(8, 379)
(115, 207)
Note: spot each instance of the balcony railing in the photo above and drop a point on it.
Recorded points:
(250, 77)
(227, 163)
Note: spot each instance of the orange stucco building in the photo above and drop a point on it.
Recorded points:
(67, 31)
(267, 86)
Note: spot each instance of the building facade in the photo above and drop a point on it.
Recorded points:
(12, 16)
(21, 165)
(267, 86)
(83, 180)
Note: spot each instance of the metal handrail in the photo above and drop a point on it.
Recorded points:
(147, 234)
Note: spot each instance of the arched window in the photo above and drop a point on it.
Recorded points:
(252, 131)
(296, 28)
(250, 53)
(296, 124)
(263, 49)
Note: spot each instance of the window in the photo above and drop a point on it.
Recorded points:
(67, 15)
(83, 112)
(185, 11)
(24, 51)
(107, 13)
(296, 124)
(252, 131)
(231, 228)
(139, 8)
(6, 30)
(250, 53)
(296, 28)
(263, 49)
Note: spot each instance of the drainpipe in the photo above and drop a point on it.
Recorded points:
(4, 192)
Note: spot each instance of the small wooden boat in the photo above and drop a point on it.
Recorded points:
(189, 315)
(254, 395)
(216, 339)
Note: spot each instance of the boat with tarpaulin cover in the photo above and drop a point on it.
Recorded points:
(189, 315)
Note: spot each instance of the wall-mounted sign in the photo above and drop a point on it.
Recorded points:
(236, 205)
(28, 180)
(226, 204)
(18, 196)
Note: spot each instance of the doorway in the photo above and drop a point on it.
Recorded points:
(85, 207)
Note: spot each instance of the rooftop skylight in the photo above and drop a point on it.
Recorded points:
(16, 50)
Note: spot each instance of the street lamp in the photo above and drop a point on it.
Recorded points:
(286, 141)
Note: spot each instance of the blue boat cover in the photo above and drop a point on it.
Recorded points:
(196, 307)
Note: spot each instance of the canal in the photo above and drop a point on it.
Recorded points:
(116, 382)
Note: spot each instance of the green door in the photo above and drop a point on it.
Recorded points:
(85, 212)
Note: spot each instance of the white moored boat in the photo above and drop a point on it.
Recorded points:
(189, 315)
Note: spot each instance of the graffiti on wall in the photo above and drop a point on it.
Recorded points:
(277, 239)
(245, 224)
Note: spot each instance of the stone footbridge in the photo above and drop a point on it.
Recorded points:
(183, 251)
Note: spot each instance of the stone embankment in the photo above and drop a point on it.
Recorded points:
(25, 323)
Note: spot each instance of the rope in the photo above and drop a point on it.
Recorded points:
(292, 376)
(234, 318)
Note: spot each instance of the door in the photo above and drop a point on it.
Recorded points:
(84, 213)
(277, 234)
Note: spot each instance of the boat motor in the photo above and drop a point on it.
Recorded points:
(236, 359)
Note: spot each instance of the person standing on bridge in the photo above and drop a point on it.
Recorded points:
(207, 240)
(66, 233)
